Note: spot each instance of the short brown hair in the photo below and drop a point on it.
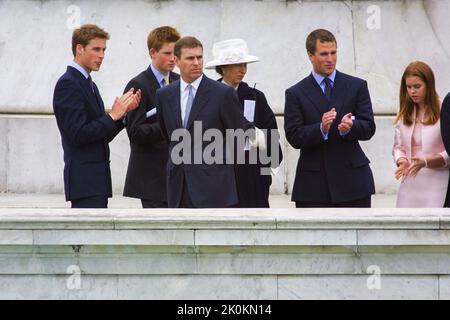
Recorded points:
(432, 105)
(320, 34)
(86, 33)
(159, 36)
(186, 42)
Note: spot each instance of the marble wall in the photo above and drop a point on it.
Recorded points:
(376, 40)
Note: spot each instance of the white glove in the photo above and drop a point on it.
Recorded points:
(259, 141)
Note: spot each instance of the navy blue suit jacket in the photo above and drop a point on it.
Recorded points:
(217, 107)
(146, 174)
(85, 133)
(445, 132)
(335, 170)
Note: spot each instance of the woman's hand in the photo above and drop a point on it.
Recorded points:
(416, 165)
(402, 168)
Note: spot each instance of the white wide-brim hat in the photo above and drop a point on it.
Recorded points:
(234, 51)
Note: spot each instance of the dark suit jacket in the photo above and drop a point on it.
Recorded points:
(85, 133)
(253, 187)
(335, 170)
(146, 174)
(445, 132)
(217, 107)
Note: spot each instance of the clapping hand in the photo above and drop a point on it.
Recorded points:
(327, 120)
(126, 103)
(346, 124)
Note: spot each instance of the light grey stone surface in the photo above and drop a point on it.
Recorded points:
(403, 237)
(355, 287)
(35, 158)
(275, 237)
(193, 254)
(57, 287)
(3, 154)
(409, 30)
(16, 237)
(117, 237)
(444, 287)
(279, 263)
(198, 287)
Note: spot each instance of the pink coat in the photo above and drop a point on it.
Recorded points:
(429, 188)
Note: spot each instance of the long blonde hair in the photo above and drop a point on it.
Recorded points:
(432, 107)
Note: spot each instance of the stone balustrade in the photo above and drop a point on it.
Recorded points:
(225, 254)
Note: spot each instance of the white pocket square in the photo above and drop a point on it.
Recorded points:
(150, 113)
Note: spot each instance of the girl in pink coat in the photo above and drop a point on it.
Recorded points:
(418, 148)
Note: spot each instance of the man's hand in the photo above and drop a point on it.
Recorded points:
(402, 168)
(346, 124)
(327, 120)
(134, 100)
(127, 102)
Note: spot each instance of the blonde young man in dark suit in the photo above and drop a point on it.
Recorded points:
(146, 175)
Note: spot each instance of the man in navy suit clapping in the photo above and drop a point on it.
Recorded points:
(85, 128)
(326, 114)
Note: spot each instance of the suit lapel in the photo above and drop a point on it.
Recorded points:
(201, 98)
(92, 96)
(315, 94)
(338, 93)
(95, 103)
(173, 77)
(153, 82)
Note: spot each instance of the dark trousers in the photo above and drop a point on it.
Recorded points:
(148, 204)
(360, 203)
(99, 202)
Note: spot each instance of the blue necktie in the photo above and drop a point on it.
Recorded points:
(190, 100)
(328, 88)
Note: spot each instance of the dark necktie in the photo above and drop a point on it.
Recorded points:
(328, 88)
(91, 83)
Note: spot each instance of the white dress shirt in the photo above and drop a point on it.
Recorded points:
(184, 94)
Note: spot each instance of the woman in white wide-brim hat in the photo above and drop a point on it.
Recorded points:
(230, 61)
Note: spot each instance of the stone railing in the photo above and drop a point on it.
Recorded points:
(225, 254)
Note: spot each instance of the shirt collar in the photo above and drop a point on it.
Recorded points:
(75, 65)
(194, 84)
(159, 76)
(319, 78)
